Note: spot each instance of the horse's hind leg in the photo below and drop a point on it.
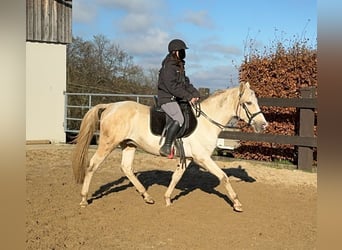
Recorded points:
(95, 162)
(126, 166)
(176, 176)
(99, 156)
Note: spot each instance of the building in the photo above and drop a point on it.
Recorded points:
(48, 31)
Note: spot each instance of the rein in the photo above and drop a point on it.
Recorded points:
(231, 124)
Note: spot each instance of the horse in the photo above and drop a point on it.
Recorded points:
(127, 124)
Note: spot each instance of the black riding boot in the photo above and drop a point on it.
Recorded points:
(171, 134)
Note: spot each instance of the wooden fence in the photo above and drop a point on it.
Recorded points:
(305, 140)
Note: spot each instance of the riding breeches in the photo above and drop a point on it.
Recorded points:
(173, 110)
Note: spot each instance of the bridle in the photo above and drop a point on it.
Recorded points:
(234, 120)
(250, 116)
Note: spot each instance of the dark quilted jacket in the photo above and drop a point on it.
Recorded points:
(172, 82)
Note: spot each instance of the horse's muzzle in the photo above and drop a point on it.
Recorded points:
(259, 126)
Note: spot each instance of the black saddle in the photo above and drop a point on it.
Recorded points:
(159, 119)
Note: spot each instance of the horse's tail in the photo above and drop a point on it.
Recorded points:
(80, 156)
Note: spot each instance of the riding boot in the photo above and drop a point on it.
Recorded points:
(171, 134)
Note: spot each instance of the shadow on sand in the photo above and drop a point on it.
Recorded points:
(193, 178)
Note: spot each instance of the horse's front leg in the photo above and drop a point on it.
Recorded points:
(212, 167)
(126, 166)
(176, 176)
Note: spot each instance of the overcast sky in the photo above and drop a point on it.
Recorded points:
(215, 31)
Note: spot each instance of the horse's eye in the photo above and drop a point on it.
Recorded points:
(249, 103)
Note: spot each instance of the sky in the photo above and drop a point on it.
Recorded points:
(219, 33)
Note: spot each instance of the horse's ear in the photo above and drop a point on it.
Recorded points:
(242, 88)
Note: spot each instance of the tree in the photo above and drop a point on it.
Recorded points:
(101, 66)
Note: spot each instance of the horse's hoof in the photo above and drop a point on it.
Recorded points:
(238, 208)
(149, 200)
(84, 204)
(167, 202)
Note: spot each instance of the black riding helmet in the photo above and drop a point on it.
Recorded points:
(177, 44)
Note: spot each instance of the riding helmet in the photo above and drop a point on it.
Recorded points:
(177, 44)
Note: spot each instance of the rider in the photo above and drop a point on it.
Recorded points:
(173, 86)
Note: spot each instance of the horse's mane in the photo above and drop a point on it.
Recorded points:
(216, 94)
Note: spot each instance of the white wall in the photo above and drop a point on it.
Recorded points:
(45, 83)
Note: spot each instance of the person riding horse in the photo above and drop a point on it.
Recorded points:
(174, 86)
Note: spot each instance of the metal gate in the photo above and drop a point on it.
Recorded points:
(76, 105)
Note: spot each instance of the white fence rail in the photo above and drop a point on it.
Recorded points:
(77, 104)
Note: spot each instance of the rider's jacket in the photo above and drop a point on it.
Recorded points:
(173, 84)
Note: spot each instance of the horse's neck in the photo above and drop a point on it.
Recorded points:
(221, 107)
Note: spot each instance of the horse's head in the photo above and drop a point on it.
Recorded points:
(248, 108)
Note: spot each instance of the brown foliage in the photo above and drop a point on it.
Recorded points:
(280, 73)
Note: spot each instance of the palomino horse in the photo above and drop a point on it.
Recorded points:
(127, 124)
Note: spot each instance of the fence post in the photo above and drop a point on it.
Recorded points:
(306, 128)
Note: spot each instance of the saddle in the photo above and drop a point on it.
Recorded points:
(159, 120)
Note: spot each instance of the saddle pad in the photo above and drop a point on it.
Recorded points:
(158, 120)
